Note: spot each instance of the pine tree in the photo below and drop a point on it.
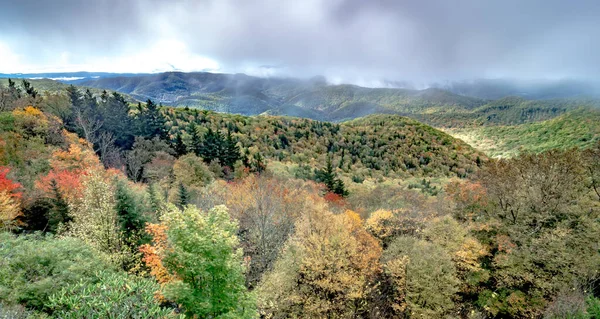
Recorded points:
(196, 142)
(116, 120)
(328, 177)
(13, 90)
(59, 213)
(179, 146)
(183, 196)
(130, 217)
(212, 146)
(231, 152)
(29, 89)
(151, 121)
(156, 202)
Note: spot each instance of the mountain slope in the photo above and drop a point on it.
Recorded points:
(578, 128)
(376, 145)
(238, 93)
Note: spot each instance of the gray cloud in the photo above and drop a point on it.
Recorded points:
(352, 40)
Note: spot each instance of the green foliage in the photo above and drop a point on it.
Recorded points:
(59, 212)
(579, 128)
(32, 267)
(384, 145)
(183, 196)
(114, 295)
(203, 255)
(128, 210)
(329, 177)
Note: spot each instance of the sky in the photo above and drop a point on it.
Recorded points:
(354, 41)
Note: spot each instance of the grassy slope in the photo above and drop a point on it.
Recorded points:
(578, 128)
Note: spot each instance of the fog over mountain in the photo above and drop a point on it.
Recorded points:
(369, 43)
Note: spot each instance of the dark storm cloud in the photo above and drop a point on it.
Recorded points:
(355, 40)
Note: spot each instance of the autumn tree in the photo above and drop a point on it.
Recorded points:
(95, 219)
(426, 275)
(326, 269)
(196, 254)
(540, 222)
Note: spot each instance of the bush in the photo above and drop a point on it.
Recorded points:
(116, 295)
(33, 267)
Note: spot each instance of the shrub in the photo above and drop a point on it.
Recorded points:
(33, 267)
(115, 295)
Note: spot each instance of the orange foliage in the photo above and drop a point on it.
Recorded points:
(152, 253)
(68, 182)
(77, 157)
(68, 167)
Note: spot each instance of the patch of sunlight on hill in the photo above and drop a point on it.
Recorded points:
(579, 128)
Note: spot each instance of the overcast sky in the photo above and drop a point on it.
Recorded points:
(345, 40)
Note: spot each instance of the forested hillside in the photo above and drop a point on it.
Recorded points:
(110, 209)
(578, 128)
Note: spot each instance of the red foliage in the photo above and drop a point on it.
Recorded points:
(7, 184)
(334, 199)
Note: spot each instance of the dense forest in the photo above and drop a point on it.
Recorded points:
(114, 209)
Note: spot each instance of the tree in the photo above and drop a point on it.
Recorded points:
(95, 219)
(116, 120)
(196, 252)
(183, 196)
(114, 295)
(258, 163)
(328, 177)
(326, 270)
(151, 122)
(231, 152)
(427, 274)
(129, 214)
(9, 211)
(196, 146)
(59, 213)
(29, 89)
(212, 146)
(179, 146)
(192, 172)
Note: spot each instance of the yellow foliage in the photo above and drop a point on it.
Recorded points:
(327, 269)
(9, 211)
(381, 224)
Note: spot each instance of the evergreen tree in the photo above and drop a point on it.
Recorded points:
(196, 142)
(59, 213)
(212, 146)
(231, 152)
(13, 90)
(156, 202)
(183, 196)
(151, 122)
(29, 89)
(116, 119)
(328, 177)
(179, 146)
(130, 217)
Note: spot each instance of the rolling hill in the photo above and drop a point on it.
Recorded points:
(242, 94)
(578, 128)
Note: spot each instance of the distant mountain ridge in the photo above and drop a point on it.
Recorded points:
(243, 94)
